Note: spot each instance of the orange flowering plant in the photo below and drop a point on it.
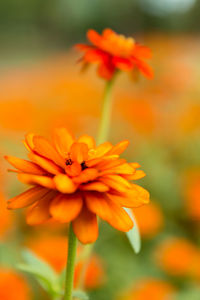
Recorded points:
(76, 181)
(112, 52)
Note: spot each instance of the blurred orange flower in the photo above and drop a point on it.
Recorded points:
(13, 286)
(75, 180)
(149, 218)
(178, 257)
(149, 288)
(112, 52)
(46, 246)
(192, 193)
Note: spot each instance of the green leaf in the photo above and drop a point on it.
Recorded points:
(80, 295)
(134, 234)
(42, 271)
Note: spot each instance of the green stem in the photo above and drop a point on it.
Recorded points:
(72, 244)
(106, 112)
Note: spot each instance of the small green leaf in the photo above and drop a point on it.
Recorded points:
(80, 295)
(134, 234)
(43, 272)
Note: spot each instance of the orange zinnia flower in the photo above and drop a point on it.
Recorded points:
(75, 180)
(112, 52)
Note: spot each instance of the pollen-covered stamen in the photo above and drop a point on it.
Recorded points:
(68, 162)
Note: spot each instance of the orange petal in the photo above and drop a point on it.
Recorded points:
(45, 163)
(94, 186)
(121, 169)
(135, 165)
(65, 208)
(29, 141)
(27, 198)
(94, 37)
(100, 151)
(63, 140)
(44, 181)
(134, 197)
(64, 184)
(85, 226)
(101, 160)
(74, 169)
(24, 165)
(109, 211)
(119, 148)
(106, 70)
(79, 152)
(89, 174)
(39, 213)
(98, 204)
(88, 140)
(115, 182)
(44, 148)
(137, 175)
(109, 164)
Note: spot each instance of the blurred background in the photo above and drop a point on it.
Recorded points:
(41, 87)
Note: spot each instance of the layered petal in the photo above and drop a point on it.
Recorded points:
(63, 140)
(85, 226)
(88, 140)
(39, 213)
(27, 198)
(65, 208)
(45, 164)
(44, 148)
(95, 186)
(44, 181)
(79, 152)
(115, 182)
(25, 165)
(109, 211)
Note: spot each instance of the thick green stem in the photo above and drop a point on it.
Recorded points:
(106, 112)
(72, 244)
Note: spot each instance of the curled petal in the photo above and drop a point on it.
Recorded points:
(44, 181)
(94, 186)
(64, 184)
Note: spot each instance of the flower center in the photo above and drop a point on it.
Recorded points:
(68, 162)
